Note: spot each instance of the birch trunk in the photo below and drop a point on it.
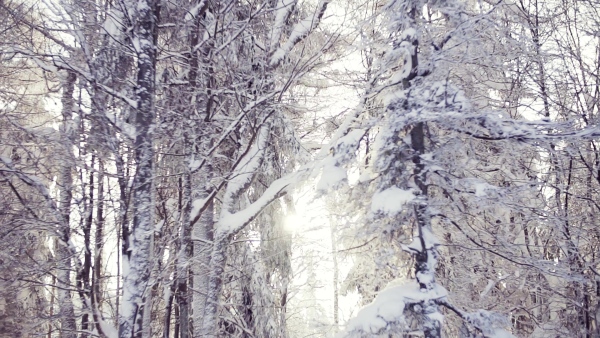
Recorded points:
(67, 314)
(83, 281)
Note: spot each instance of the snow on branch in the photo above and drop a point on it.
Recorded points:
(489, 324)
(194, 11)
(387, 313)
(282, 12)
(391, 201)
(197, 165)
(444, 103)
(299, 32)
(333, 172)
(230, 223)
(391, 309)
(246, 168)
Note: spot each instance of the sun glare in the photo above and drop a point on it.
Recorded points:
(308, 213)
(294, 222)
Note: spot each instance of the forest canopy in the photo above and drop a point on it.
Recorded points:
(299, 168)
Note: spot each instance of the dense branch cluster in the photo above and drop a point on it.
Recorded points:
(153, 152)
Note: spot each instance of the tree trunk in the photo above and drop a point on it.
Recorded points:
(138, 256)
(426, 258)
(63, 255)
(183, 259)
(84, 274)
(334, 255)
(217, 268)
(98, 242)
(203, 235)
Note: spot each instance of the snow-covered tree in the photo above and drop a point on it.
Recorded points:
(430, 169)
(149, 150)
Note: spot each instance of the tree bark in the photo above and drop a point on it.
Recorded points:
(98, 242)
(84, 275)
(183, 259)
(67, 314)
(138, 256)
(426, 258)
(203, 235)
(217, 268)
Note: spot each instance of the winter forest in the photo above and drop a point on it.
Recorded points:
(299, 168)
